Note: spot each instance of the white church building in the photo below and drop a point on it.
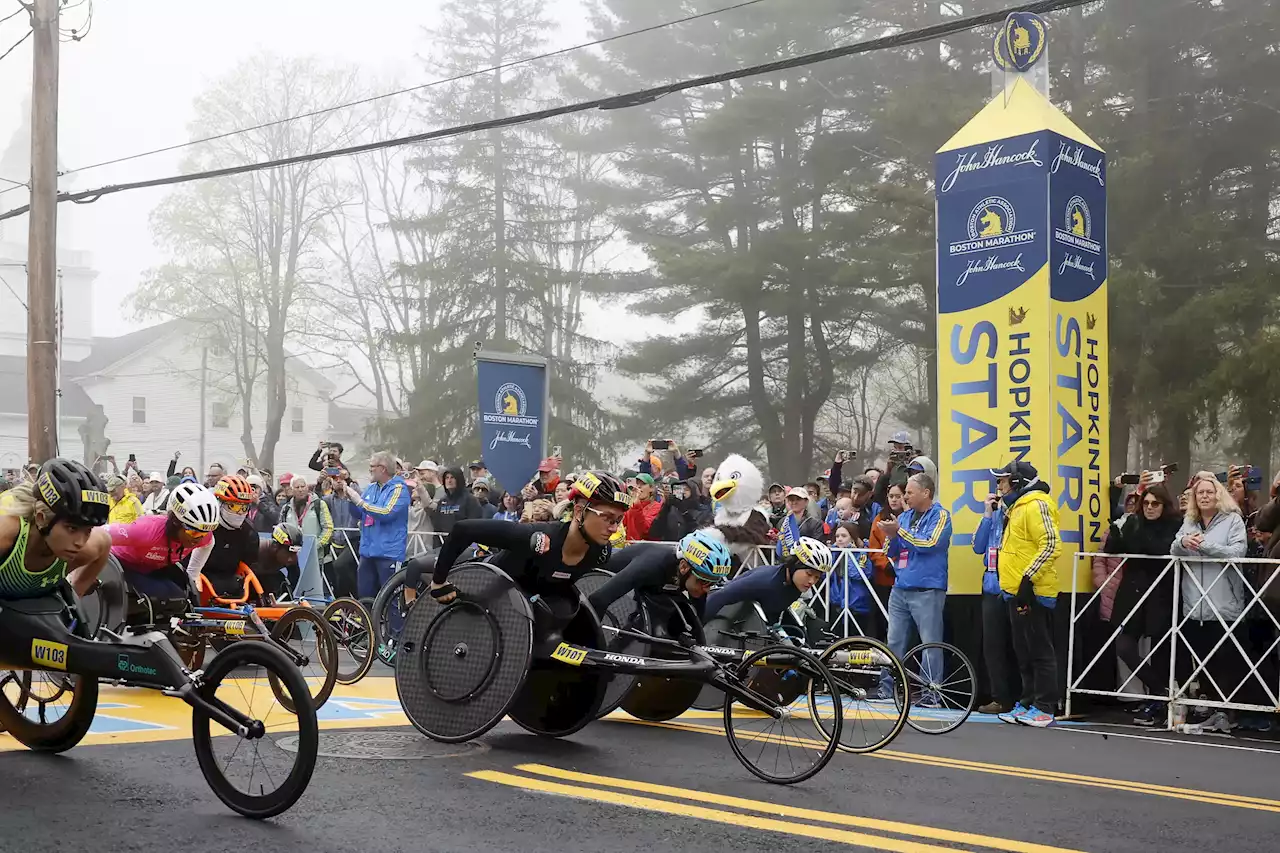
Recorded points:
(140, 393)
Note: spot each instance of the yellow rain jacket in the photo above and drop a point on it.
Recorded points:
(1031, 543)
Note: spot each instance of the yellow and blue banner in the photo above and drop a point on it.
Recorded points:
(513, 391)
(1013, 279)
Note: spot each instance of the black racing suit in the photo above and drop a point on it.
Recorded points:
(531, 572)
(231, 547)
(768, 586)
(642, 568)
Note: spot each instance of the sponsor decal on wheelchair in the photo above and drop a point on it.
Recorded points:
(571, 655)
(863, 657)
(236, 627)
(125, 664)
(719, 651)
(52, 655)
(624, 659)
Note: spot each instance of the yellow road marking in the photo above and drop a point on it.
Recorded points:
(899, 828)
(874, 842)
(1208, 797)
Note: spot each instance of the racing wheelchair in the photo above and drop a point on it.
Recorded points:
(55, 658)
(544, 661)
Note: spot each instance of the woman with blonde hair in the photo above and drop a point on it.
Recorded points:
(51, 528)
(1213, 593)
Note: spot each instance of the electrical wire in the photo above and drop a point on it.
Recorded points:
(14, 46)
(373, 98)
(611, 102)
(21, 8)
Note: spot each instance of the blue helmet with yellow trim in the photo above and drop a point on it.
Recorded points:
(706, 555)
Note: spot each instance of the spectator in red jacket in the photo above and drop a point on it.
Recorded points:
(639, 518)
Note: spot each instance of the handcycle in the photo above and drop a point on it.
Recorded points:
(225, 618)
(544, 661)
(49, 696)
(859, 665)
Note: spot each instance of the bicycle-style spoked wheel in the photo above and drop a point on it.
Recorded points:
(306, 637)
(864, 670)
(264, 773)
(778, 740)
(389, 612)
(47, 711)
(352, 628)
(941, 686)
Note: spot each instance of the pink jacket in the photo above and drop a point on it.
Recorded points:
(1102, 568)
(142, 545)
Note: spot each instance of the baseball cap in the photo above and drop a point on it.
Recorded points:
(644, 478)
(156, 477)
(285, 478)
(900, 437)
(427, 465)
(481, 483)
(798, 492)
(773, 486)
(1017, 470)
(255, 480)
(475, 463)
(115, 481)
(546, 466)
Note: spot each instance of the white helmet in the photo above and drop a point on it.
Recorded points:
(811, 554)
(195, 507)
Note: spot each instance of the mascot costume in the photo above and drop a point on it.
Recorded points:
(736, 494)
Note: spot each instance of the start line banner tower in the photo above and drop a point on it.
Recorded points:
(1021, 206)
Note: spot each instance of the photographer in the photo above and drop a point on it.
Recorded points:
(901, 452)
(328, 455)
(681, 512)
(684, 467)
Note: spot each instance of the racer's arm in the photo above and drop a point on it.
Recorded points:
(198, 558)
(649, 570)
(752, 586)
(90, 560)
(489, 532)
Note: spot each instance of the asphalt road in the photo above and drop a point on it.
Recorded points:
(624, 786)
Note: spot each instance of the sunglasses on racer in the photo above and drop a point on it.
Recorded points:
(610, 519)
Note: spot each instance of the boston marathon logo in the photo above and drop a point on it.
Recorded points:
(1020, 42)
(995, 155)
(1077, 232)
(992, 225)
(510, 408)
(1070, 154)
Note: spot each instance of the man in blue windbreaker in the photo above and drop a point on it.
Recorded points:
(916, 544)
(384, 527)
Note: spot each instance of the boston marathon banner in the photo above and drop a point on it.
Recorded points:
(1022, 330)
(513, 415)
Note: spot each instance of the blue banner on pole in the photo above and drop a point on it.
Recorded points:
(513, 424)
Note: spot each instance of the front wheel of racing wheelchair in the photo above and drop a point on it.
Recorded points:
(45, 641)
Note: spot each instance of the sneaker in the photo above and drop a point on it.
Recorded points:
(1217, 722)
(928, 699)
(1012, 717)
(994, 708)
(1151, 715)
(1036, 718)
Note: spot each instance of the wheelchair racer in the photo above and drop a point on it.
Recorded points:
(151, 549)
(699, 563)
(552, 554)
(51, 528)
(235, 543)
(278, 553)
(775, 588)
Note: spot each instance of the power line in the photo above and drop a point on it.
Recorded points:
(22, 7)
(611, 102)
(419, 87)
(14, 46)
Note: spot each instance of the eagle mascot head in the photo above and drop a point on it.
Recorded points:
(736, 493)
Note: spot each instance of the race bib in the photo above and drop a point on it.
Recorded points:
(993, 558)
(902, 561)
(368, 521)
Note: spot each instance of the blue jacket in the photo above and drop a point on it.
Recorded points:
(847, 585)
(384, 527)
(924, 538)
(987, 537)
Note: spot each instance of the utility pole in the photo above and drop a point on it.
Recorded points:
(204, 384)
(42, 260)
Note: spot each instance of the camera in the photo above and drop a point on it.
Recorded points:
(1251, 475)
(661, 444)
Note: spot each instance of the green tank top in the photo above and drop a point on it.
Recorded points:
(16, 581)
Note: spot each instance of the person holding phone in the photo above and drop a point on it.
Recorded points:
(997, 638)
(684, 468)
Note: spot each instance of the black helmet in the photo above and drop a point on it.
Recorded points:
(288, 534)
(73, 492)
(601, 487)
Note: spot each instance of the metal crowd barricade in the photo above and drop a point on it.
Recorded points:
(842, 621)
(1195, 599)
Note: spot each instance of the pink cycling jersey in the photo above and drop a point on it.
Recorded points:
(142, 545)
